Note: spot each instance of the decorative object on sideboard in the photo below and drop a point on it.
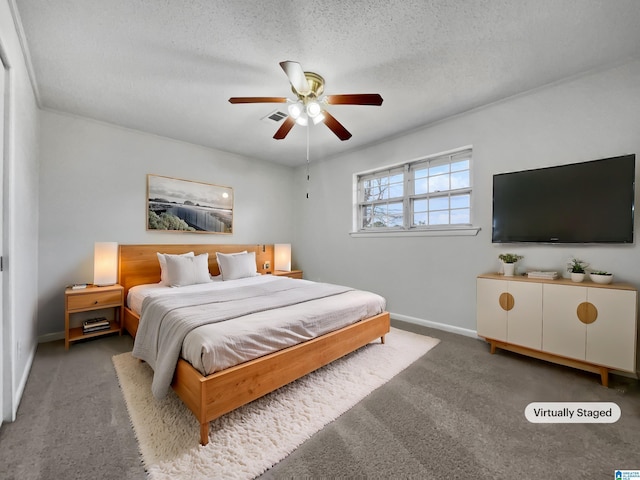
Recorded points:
(544, 275)
(602, 277)
(509, 263)
(577, 269)
(186, 206)
(105, 263)
(282, 257)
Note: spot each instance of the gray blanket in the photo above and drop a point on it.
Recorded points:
(166, 320)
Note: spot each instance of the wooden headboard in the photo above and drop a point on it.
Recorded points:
(138, 264)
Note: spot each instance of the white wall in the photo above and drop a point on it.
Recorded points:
(93, 188)
(432, 279)
(19, 322)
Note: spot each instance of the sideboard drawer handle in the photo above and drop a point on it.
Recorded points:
(587, 313)
(506, 301)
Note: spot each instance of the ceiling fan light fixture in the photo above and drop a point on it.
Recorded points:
(318, 118)
(302, 121)
(295, 110)
(313, 108)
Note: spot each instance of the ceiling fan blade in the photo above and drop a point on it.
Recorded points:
(258, 100)
(296, 77)
(355, 99)
(336, 127)
(285, 128)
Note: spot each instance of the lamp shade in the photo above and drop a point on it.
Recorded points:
(282, 257)
(105, 263)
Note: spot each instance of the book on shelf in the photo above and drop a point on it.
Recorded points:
(95, 321)
(544, 275)
(95, 325)
(96, 328)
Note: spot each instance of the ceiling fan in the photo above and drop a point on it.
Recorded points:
(309, 105)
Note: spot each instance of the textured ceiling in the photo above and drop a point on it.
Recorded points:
(168, 67)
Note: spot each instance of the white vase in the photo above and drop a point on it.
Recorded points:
(577, 277)
(508, 269)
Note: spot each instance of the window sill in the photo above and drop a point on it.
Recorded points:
(443, 232)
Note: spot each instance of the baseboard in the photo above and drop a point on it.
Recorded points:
(635, 376)
(439, 326)
(51, 337)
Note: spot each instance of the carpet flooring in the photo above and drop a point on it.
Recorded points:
(247, 441)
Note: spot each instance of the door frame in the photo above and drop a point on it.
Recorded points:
(6, 377)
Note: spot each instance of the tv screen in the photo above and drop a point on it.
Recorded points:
(588, 202)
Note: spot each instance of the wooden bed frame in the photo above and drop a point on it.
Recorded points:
(210, 397)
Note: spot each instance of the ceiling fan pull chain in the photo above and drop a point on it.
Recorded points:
(308, 162)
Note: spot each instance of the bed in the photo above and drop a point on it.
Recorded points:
(210, 395)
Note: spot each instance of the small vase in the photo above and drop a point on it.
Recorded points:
(577, 277)
(508, 269)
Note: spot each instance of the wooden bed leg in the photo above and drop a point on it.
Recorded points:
(382, 339)
(204, 433)
(493, 347)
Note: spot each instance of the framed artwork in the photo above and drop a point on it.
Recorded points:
(187, 206)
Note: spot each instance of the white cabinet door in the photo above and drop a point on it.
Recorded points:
(611, 338)
(563, 333)
(491, 318)
(517, 318)
(524, 320)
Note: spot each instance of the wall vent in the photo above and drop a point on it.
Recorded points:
(275, 116)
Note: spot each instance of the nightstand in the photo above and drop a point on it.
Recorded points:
(291, 274)
(92, 298)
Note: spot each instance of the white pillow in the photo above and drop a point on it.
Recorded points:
(188, 270)
(164, 280)
(237, 265)
(219, 255)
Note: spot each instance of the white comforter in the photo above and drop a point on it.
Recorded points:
(222, 344)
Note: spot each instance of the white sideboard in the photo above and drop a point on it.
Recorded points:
(585, 325)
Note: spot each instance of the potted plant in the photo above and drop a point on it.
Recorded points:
(577, 268)
(600, 276)
(509, 263)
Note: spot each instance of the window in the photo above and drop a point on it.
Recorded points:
(432, 193)
(383, 199)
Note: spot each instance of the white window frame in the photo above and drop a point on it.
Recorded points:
(409, 196)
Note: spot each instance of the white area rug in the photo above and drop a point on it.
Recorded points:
(251, 439)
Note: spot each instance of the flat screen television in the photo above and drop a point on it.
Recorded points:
(588, 202)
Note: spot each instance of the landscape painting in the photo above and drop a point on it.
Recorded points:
(187, 206)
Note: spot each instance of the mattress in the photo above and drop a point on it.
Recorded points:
(217, 346)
